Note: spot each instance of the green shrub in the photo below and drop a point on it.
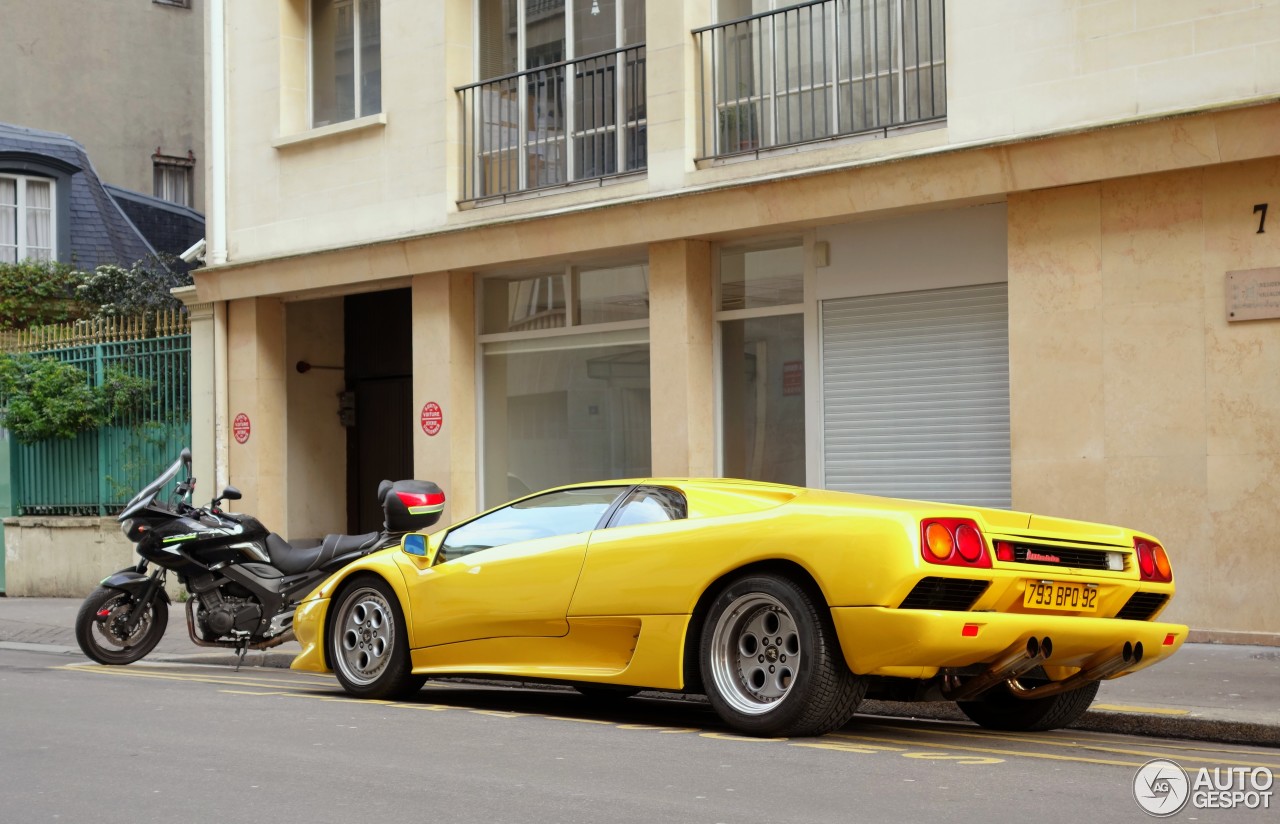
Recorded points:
(42, 398)
(35, 293)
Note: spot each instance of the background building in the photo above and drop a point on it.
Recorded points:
(973, 252)
(124, 78)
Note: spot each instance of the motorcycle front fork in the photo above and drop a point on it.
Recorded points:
(154, 583)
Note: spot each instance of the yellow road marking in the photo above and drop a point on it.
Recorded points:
(180, 676)
(1140, 710)
(1095, 744)
(994, 751)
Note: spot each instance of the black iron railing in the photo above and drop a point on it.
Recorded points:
(820, 70)
(570, 121)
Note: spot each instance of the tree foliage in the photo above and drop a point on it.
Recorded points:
(110, 290)
(35, 293)
(42, 398)
(38, 293)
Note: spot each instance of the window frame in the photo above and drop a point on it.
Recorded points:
(357, 58)
(162, 165)
(56, 234)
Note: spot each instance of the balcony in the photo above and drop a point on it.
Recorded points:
(821, 70)
(555, 125)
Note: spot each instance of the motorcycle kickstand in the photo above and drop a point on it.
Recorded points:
(242, 646)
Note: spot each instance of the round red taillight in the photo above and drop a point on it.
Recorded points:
(1146, 563)
(939, 541)
(968, 543)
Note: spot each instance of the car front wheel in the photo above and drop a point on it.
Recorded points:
(771, 663)
(368, 645)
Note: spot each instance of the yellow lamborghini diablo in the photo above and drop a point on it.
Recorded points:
(785, 606)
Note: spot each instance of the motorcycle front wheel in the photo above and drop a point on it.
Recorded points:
(101, 626)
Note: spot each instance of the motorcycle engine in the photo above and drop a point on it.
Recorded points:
(219, 614)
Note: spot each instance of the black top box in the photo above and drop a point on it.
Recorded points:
(410, 506)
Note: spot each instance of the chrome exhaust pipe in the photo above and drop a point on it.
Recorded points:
(1016, 661)
(1129, 655)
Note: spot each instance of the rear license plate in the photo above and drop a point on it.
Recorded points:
(1062, 596)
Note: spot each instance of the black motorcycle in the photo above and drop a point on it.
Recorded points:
(244, 581)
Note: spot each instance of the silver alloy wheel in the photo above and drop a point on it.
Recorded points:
(755, 653)
(366, 631)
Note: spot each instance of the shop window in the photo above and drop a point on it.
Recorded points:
(762, 364)
(566, 379)
(752, 279)
(346, 60)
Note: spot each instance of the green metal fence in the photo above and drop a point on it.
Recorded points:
(98, 471)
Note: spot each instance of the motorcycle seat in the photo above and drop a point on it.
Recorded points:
(292, 560)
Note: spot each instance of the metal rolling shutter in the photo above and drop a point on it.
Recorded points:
(916, 395)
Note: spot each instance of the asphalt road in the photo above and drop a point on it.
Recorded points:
(190, 743)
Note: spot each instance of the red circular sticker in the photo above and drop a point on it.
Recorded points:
(240, 427)
(432, 418)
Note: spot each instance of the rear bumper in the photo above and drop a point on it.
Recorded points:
(916, 643)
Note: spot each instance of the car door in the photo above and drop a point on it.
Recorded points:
(509, 572)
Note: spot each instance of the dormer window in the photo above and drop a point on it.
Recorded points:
(27, 227)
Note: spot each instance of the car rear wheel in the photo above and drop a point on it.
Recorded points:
(999, 709)
(771, 663)
(368, 645)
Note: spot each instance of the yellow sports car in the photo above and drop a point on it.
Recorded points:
(785, 606)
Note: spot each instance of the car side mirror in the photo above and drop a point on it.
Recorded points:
(422, 546)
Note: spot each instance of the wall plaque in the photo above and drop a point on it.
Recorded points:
(1253, 294)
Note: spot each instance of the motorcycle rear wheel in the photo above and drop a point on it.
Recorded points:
(100, 627)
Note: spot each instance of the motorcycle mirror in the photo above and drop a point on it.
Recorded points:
(228, 494)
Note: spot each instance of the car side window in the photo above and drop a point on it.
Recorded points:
(651, 505)
(545, 516)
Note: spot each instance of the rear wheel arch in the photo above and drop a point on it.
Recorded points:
(693, 633)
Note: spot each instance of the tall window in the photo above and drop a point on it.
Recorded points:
(26, 218)
(172, 177)
(346, 60)
(762, 414)
(577, 110)
(566, 378)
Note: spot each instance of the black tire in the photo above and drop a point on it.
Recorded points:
(367, 643)
(100, 621)
(771, 663)
(606, 692)
(1000, 709)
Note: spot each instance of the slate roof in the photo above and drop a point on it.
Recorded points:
(99, 230)
(168, 227)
